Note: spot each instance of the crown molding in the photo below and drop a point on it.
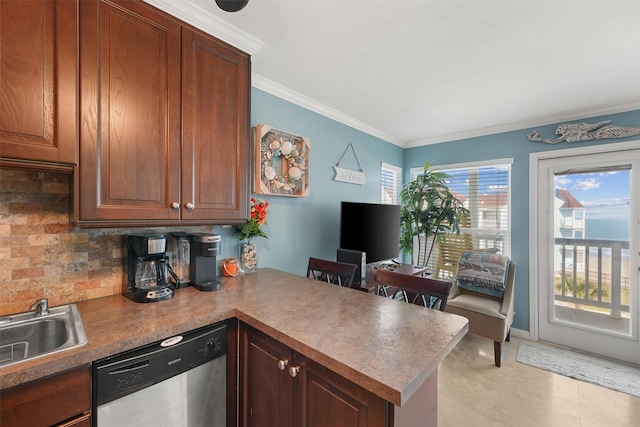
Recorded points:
(280, 91)
(210, 23)
(525, 125)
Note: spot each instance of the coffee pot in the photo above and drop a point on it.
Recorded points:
(179, 250)
(149, 276)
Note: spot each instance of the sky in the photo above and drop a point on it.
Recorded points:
(603, 194)
(491, 180)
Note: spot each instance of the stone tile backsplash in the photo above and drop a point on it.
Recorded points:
(43, 255)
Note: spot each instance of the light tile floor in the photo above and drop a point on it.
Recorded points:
(474, 392)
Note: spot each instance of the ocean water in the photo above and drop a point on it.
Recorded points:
(610, 229)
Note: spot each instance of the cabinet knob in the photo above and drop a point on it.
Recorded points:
(174, 205)
(189, 206)
(293, 371)
(282, 364)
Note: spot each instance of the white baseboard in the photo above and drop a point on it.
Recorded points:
(520, 333)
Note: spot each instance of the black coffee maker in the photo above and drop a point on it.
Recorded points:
(150, 277)
(204, 249)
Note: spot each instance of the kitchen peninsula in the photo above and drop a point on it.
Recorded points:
(389, 348)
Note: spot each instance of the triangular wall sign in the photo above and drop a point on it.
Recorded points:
(348, 175)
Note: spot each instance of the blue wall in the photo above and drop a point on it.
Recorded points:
(302, 227)
(511, 145)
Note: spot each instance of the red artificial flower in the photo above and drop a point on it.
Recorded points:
(258, 216)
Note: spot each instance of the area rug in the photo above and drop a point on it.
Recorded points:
(605, 373)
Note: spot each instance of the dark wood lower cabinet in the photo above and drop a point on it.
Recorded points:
(81, 421)
(63, 399)
(266, 391)
(324, 398)
(280, 387)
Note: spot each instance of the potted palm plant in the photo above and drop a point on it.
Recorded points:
(428, 208)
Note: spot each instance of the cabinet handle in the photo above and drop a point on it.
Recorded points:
(293, 371)
(174, 205)
(282, 364)
(189, 206)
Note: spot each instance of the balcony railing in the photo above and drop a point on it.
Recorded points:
(593, 273)
(577, 224)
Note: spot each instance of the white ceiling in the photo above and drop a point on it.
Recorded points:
(416, 72)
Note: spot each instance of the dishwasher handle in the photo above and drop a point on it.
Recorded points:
(135, 366)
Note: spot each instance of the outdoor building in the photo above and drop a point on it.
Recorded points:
(570, 219)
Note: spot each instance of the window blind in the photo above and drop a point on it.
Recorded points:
(390, 177)
(484, 188)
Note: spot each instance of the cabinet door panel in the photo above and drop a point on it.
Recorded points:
(323, 398)
(48, 401)
(130, 148)
(265, 398)
(38, 80)
(215, 134)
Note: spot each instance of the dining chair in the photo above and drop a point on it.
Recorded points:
(338, 273)
(420, 290)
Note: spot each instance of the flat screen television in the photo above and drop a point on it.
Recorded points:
(373, 228)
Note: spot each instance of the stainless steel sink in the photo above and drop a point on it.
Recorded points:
(27, 335)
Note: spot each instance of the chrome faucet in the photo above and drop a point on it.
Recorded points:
(41, 306)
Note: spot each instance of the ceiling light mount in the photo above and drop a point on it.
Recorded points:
(231, 5)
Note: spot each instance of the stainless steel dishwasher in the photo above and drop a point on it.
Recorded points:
(180, 381)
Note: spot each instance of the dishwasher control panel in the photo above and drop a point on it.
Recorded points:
(214, 346)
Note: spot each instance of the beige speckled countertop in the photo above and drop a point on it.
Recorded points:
(388, 347)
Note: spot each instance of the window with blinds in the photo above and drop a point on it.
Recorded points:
(484, 188)
(390, 184)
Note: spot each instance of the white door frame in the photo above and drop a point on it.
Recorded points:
(534, 159)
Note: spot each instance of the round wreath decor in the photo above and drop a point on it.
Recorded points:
(275, 147)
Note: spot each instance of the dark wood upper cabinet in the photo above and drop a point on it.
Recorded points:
(130, 109)
(38, 82)
(164, 121)
(215, 128)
